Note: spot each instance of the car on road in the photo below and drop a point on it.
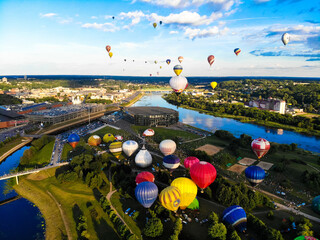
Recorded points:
(132, 213)
(196, 219)
(184, 222)
(203, 221)
(127, 211)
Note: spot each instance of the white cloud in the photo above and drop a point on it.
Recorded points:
(135, 16)
(94, 17)
(262, 1)
(173, 32)
(106, 27)
(48, 15)
(192, 33)
(169, 3)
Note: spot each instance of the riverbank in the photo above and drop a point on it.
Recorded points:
(134, 100)
(13, 146)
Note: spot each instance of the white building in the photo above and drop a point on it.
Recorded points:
(270, 104)
(4, 80)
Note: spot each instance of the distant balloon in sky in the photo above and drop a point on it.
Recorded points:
(118, 137)
(110, 54)
(285, 38)
(213, 84)
(168, 61)
(260, 147)
(180, 59)
(160, 22)
(211, 59)
(178, 83)
(177, 69)
(112, 17)
(108, 48)
(237, 51)
(154, 25)
(155, 62)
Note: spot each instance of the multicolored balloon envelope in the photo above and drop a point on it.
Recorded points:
(129, 147)
(171, 162)
(94, 140)
(116, 149)
(73, 139)
(177, 69)
(194, 205)
(237, 51)
(178, 83)
(170, 198)
(305, 238)
(146, 193)
(213, 84)
(188, 190)
(167, 147)
(143, 159)
(285, 38)
(168, 61)
(189, 161)
(148, 132)
(180, 59)
(144, 177)
(108, 138)
(203, 174)
(255, 174)
(260, 147)
(211, 59)
(108, 48)
(316, 204)
(235, 216)
(118, 137)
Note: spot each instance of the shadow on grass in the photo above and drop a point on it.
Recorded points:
(103, 230)
(76, 212)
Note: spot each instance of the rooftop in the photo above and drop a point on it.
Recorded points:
(150, 110)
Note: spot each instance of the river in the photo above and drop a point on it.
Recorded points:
(20, 219)
(211, 123)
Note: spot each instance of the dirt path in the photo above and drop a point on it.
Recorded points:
(62, 216)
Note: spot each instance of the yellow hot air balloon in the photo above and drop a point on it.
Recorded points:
(94, 140)
(110, 54)
(213, 85)
(108, 138)
(170, 198)
(188, 190)
(154, 25)
(116, 149)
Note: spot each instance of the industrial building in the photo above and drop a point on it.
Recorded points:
(270, 104)
(10, 118)
(151, 116)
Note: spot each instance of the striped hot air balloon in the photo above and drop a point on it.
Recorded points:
(94, 140)
(146, 193)
(116, 149)
(210, 59)
(144, 177)
(73, 139)
(118, 137)
(260, 147)
(171, 162)
(237, 51)
(235, 216)
(177, 69)
(170, 198)
(188, 190)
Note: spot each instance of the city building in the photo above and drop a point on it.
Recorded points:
(11, 118)
(151, 116)
(271, 104)
(4, 80)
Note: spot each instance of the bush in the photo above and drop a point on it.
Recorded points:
(217, 231)
(153, 228)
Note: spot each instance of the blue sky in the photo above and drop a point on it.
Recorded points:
(69, 37)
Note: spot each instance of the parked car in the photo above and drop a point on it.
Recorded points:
(132, 213)
(196, 219)
(184, 222)
(127, 211)
(203, 221)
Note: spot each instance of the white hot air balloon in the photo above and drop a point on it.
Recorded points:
(178, 83)
(148, 132)
(129, 147)
(143, 158)
(285, 38)
(167, 147)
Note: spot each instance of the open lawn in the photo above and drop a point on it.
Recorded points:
(106, 130)
(10, 145)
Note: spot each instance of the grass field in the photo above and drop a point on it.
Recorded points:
(69, 195)
(10, 145)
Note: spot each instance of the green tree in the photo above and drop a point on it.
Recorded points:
(153, 228)
(217, 231)
(213, 218)
(234, 236)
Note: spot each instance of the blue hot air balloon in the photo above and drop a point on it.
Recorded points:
(73, 139)
(255, 174)
(171, 162)
(146, 193)
(236, 216)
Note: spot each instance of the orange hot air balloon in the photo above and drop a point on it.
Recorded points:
(180, 59)
(211, 59)
(108, 48)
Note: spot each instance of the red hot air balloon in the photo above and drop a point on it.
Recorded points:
(211, 59)
(144, 177)
(203, 174)
(260, 146)
(108, 48)
(189, 161)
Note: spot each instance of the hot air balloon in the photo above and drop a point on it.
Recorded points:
(144, 177)
(108, 138)
(189, 161)
(178, 83)
(73, 139)
(171, 162)
(211, 59)
(108, 48)
(255, 174)
(237, 51)
(160, 67)
(154, 25)
(148, 132)
(160, 22)
(125, 60)
(94, 140)
(118, 137)
(167, 147)
(180, 59)
(316, 204)
(177, 69)
(110, 54)
(213, 84)
(143, 159)
(235, 216)
(305, 238)
(129, 147)
(170, 198)
(285, 38)
(116, 149)
(188, 190)
(194, 205)
(155, 61)
(203, 174)
(113, 17)
(260, 146)
(146, 193)
(168, 61)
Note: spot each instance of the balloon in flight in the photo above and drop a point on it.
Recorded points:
(168, 61)
(188, 190)
(167, 147)
(129, 147)
(211, 59)
(235, 216)
(146, 193)
(203, 174)
(108, 48)
(177, 69)
(178, 83)
(255, 174)
(237, 51)
(154, 25)
(285, 38)
(160, 22)
(144, 177)
(73, 139)
(213, 84)
(260, 147)
(170, 198)
(180, 59)
(110, 54)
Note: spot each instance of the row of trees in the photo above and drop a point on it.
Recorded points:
(9, 139)
(8, 99)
